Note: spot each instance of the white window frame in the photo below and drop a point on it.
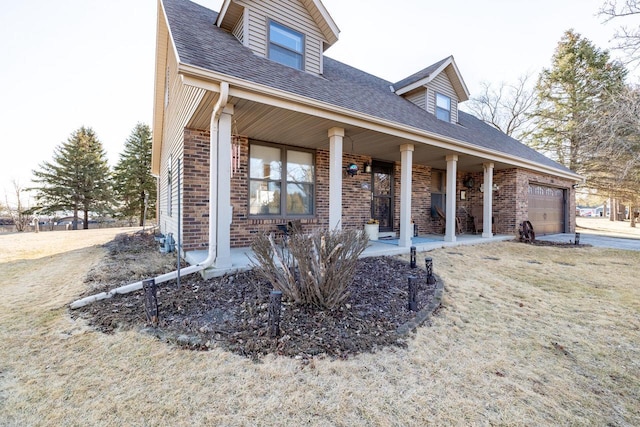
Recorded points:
(442, 110)
(273, 45)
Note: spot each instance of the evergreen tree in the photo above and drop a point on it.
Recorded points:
(578, 83)
(133, 181)
(78, 178)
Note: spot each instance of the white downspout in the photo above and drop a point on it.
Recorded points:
(213, 186)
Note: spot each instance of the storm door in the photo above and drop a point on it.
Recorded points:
(382, 205)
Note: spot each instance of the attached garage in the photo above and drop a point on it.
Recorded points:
(547, 209)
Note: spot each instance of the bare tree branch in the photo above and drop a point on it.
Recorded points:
(627, 38)
(506, 107)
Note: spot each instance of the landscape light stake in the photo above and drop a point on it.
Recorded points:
(275, 299)
(577, 238)
(151, 301)
(431, 279)
(413, 292)
(413, 257)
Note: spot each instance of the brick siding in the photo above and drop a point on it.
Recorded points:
(508, 211)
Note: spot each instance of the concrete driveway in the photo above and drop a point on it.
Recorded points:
(596, 240)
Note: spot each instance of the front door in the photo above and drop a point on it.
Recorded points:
(382, 194)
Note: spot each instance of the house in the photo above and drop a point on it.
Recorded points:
(258, 127)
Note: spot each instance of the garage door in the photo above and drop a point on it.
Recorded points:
(546, 209)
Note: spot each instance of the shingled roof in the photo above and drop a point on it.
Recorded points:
(201, 44)
(422, 74)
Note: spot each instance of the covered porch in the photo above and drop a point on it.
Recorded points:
(340, 198)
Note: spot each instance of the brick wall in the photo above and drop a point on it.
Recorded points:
(508, 211)
(356, 193)
(195, 190)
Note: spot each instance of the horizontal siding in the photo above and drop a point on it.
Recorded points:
(183, 101)
(430, 100)
(257, 33)
(441, 84)
(292, 14)
(418, 98)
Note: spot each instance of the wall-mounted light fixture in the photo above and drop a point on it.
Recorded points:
(367, 167)
(468, 182)
(352, 169)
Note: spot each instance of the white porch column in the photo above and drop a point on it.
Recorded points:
(224, 217)
(335, 178)
(487, 213)
(452, 172)
(406, 167)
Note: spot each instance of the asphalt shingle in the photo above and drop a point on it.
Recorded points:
(199, 42)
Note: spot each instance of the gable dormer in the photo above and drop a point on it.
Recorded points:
(438, 89)
(292, 32)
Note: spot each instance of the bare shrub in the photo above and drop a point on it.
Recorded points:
(311, 269)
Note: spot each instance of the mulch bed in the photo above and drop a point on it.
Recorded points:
(231, 312)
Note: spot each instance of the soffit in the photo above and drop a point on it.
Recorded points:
(281, 126)
(230, 13)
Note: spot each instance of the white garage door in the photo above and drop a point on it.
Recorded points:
(546, 209)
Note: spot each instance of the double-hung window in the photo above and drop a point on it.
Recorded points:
(443, 107)
(286, 46)
(281, 181)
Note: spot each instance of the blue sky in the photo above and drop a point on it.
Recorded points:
(71, 63)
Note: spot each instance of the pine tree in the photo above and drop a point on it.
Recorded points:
(133, 181)
(78, 178)
(578, 83)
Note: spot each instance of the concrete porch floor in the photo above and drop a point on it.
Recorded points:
(241, 257)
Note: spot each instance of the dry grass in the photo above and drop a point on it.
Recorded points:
(526, 336)
(596, 225)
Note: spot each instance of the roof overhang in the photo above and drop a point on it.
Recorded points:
(231, 11)
(206, 79)
(453, 73)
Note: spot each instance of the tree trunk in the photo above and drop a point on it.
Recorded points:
(86, 220)
(613, 209)
(74, 226)
(142, 210)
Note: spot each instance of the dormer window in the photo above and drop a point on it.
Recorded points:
(286, 46)
(443, 107)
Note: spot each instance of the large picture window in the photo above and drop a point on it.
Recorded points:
(286, 46)
(281, 181)
(443, 107)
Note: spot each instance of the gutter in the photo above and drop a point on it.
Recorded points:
(276, 97)
(213, 186)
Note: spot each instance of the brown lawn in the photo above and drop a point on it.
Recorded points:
(526, 336)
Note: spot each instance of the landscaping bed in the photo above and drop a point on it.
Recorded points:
(232, 311)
